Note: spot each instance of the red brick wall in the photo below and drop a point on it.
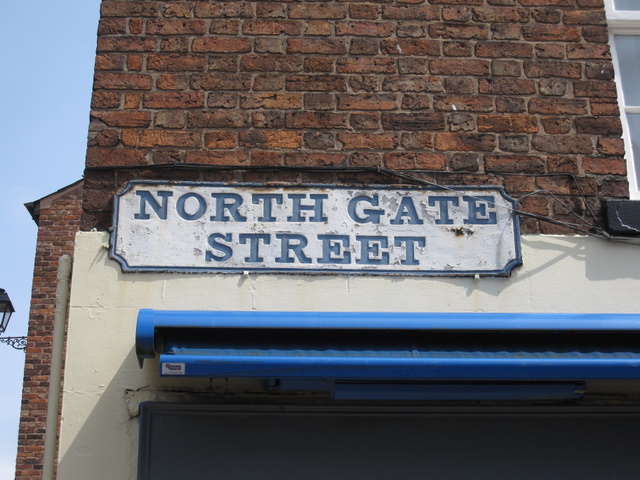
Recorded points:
(58, 224)
(510, 92)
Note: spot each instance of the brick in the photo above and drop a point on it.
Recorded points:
(316, 83)
(175, 27)
(172, 82)
(260, 158)
(365, 159)
(556, 125)
(547, 15)
(170, 119)
(550, 33)
(446, 66)
(220, 81)
(553, 69)
(223, 10)
(121, 81)
(585, 51)
(410, 83)
(319, 140)
(507, 123)
(410, 46)
(364, 121)
(599, 126)
(164, 100)
(224, 27)
(595, 89)
(500, 15)
(464, 161)
(465, 142)
(268, 82)
(129, 9)
(459, 31)
(221, 44)
(367, 102)
(272, 27)
(605, 166)
(175, 62)
(106, 157)
(126, 44)
(611, 146)
(585, 17)
(514, 164)
(368, 141)
(126, 119)
(109, 62)
(271, 10)
(366, 65)
(218, 157)
(424, 161)
(504, 50)
(314, 159)
(217, 119)
(563, 164)
(270, 139)
(563, 144)
(177, 10)
(413, 121)
(463, 103)
(316, 45)
(220, 140)
(558, 106)
(317, 27)
(271, 100)
(319, 65)
(363, 11)
(507, 86)
(364, 46)
(457, 49)
(410, 12)
(318, 11)
(271, 63)
(271, 119)
(366, 29)
(315, 120)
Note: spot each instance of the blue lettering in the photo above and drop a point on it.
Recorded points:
(267, 200)
(292, 243)
(407, 209)
(221, 247)
(318, 215)
(444, 208)
(371, 250)
(146, 198)
(254, 245)
(478, 214)
(180, 206)
(410, 245)
(334, 249)
(372, 216)
(231, 207)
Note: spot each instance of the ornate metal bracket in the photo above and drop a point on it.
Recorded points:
(19, 343)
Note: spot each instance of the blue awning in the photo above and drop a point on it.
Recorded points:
(365, 346)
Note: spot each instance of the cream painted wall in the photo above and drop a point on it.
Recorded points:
(104, 385)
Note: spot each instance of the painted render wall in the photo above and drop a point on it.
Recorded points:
(104, 385)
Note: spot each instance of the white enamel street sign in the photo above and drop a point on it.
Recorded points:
(195, 227)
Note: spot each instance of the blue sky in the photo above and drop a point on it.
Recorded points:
(46, 57)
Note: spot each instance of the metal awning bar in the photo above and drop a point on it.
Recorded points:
(391, 346)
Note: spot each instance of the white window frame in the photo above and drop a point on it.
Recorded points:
(624, 22)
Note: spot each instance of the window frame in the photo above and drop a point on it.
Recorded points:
(624, 22)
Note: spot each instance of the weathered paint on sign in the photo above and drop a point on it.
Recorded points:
(315, 229)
